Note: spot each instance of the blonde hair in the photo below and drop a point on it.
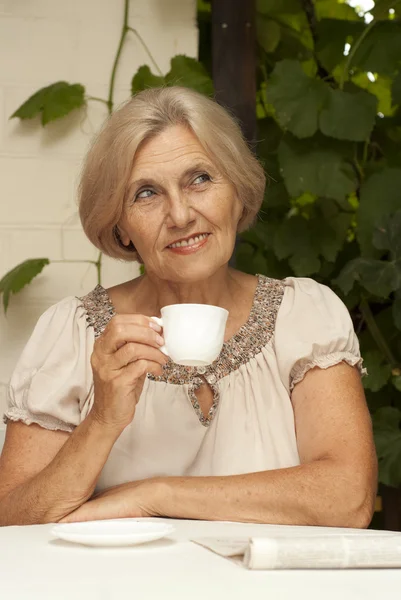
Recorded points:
(109, 162)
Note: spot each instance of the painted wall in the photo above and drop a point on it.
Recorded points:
(41, 42)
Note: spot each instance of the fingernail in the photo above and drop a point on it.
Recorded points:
(155, 326)
(160, 340)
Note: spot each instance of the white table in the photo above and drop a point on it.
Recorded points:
(36, 566)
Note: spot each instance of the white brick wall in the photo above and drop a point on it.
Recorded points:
(43, 41)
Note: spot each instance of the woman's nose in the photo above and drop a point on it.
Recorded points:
(179, 212)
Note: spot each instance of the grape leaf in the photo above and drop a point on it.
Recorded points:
(52, 102)
(397, 310)
(396, 89)
(379, 197)
(310, 167)
(190, 73)
(381, 88)
(378, 277)
(387, 236)
(268, 33)
(292, 240)
(297, 98)
(379, 371)
(380, 50)
(332, 34)
(327, 9)
(348, 116)
(20, 276)
(144, 79)
(387, 434)
(278, 7)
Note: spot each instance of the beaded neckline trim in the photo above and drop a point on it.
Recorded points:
(238, 350)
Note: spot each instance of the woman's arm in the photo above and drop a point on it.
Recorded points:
(44, 475)
(335, 485)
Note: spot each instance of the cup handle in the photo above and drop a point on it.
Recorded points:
(160, 322)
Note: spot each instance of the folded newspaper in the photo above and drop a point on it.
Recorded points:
(314, 550)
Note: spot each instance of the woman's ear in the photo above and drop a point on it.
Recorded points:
(122, 236)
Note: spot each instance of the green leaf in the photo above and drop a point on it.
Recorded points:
(278, 7)
(380, 51)
(348, 116)
(332, 34)
(387, 434)
(330, 233)
(378, 277)
(387, 235)
(296, 98)
(144, 79)
(379, 197)
(190, 73)
(387, 416)
(397, 310)
(277, 195)
(293, 240)
(309, 167)
(20, 276)
(379, 372)
(268, 33)
(397, 382)
(331, 9)
(381, 88)
(396, 89)
(52, 102)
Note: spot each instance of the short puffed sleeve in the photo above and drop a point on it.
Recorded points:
(313, 329)
(52, 380)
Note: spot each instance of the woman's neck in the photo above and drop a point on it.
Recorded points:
(217, 290)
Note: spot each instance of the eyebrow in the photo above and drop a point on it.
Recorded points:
(199, 166)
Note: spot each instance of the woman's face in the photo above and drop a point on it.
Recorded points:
(181, 214)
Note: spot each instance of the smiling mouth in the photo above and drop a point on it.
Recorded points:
(191, 241)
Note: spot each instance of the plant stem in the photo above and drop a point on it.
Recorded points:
(375, 332)
(359, 41)
(124, 32)
(365, 152)
(98, 264)
(98, 99)
(91, 262)
(148, 52)
(110, 104)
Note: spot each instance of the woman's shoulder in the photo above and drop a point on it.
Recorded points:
(305, 295)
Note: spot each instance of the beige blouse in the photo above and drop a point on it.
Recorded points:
(294, 325)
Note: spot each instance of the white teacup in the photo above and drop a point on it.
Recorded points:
(193, 333)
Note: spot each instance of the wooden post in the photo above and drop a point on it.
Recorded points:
(234, 60)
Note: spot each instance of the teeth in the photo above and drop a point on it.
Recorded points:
(189, 242)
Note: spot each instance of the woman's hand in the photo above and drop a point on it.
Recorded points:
(129, 500)
(122, 356)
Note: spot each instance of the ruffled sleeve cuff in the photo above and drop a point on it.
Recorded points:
(46, 421)
(313, 329)
(52, 381)
(324, 362)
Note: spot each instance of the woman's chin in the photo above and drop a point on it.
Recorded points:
(191, 274)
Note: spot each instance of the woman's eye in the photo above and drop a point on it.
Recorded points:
(144, 194)
(201, 178)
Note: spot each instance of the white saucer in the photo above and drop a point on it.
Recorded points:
(112, 532)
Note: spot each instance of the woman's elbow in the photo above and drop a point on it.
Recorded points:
(359, 497)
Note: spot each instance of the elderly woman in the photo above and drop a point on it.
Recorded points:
(101, 424)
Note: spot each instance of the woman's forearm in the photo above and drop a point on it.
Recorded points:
(68, 481)
(321, 493)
